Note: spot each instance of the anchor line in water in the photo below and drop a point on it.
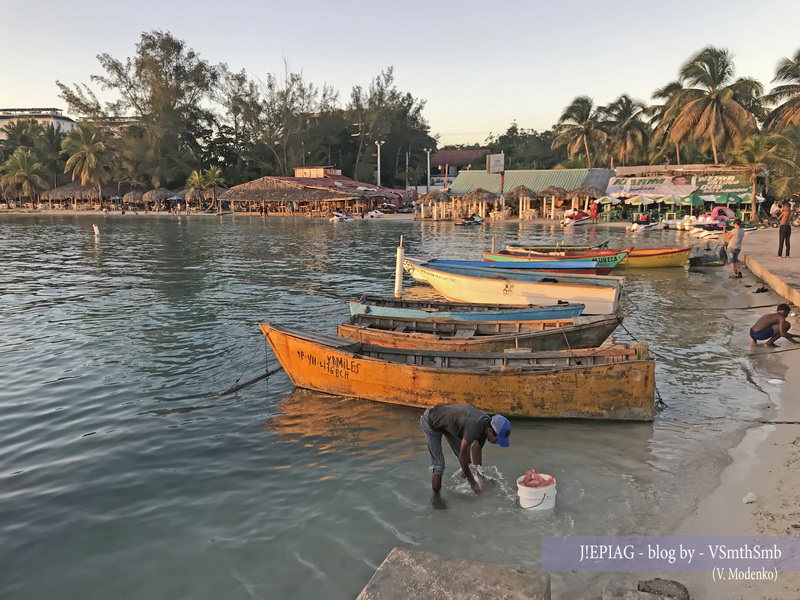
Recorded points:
(238, 386)
(660, 404)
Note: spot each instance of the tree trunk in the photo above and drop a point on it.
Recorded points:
(677, 153)
(586, 147)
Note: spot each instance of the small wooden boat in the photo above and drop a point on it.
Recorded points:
(479, 336)
(601, 257)
(613, 382)
(577, 267)
(648, 258)
(600, 294)
(556, 247)
(422, 309)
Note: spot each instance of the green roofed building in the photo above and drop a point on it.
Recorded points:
(535, 180)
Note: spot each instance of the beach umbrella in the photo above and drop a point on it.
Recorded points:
(639, 201)
(115, 198)
(156, 195)
(608, 200)
(670, 200)
(692, 200)
(175, 198)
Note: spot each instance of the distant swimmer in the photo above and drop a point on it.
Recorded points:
(773, 326)
(466, 429)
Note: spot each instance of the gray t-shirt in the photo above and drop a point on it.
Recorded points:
(460, 420)
(737, 235)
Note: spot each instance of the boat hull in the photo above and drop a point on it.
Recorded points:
(476, 336)
(648, 258)
(576, 267)
(602, 258)
(487, 286)
(422, 309)
(615, 390)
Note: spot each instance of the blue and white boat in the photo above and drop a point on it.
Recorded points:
(436, 309)
(600, 294)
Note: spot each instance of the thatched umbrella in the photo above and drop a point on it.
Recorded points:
(434, 196)
(585, 191)
(523, 195)
(158, 195)
(552, 191)
(520, 192)
(134, 197)
(75, 191)
(479, 195)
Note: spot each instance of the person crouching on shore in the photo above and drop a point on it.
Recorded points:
(773, 326)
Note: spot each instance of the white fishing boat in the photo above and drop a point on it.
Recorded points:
(600, 294)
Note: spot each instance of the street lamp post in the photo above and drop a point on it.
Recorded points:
(378, 145)
(428, 181)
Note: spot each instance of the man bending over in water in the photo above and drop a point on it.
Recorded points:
(466, 429)
(773, 326)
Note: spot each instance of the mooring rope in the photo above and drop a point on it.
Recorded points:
(660, 404)
(238, 386)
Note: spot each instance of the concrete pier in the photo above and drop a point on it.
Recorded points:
(759, 254)
(417, 575)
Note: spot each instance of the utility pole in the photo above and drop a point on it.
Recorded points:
(428, 180)
(378, 145)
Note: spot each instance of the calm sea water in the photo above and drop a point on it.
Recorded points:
(124, 475)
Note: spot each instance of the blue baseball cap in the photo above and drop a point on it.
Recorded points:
(502, 429)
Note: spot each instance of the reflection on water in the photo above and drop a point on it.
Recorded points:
(331, 424)
(124, 475)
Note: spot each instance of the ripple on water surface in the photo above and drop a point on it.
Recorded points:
(125, 475)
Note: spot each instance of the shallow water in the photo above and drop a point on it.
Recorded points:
(124, 475)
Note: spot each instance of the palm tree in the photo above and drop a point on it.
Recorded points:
(578, 126)
(49, 147)
(24, 172)
(21, 133)
(712, 107)
(787, 113)
(195, 181)
(87, 156)
(662, 118)
(213, 179)
(765, 153)
(628, 133)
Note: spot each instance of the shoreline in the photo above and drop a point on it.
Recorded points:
(764, 460)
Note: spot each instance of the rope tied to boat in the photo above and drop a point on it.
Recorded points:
(238, 386)
(660, 404)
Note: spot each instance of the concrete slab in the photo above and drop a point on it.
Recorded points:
(417, 575)
(759, 254)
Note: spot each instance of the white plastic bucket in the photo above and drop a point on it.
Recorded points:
(541, 498)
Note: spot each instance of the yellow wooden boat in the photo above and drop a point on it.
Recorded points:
(611, 382)
(648, 258)
(448, 335)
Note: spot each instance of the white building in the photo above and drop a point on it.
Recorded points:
(43, 116)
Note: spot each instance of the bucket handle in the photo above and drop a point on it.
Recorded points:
(516, 501)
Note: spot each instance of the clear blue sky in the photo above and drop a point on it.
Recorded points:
(479, 65)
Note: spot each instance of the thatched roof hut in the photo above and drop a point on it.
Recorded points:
(520, 192)
(434, 196)
(134, 197)
(76, 191)
(552, 191)
(479, 195)
(586, 191)
(158, 195)
(277, 190)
